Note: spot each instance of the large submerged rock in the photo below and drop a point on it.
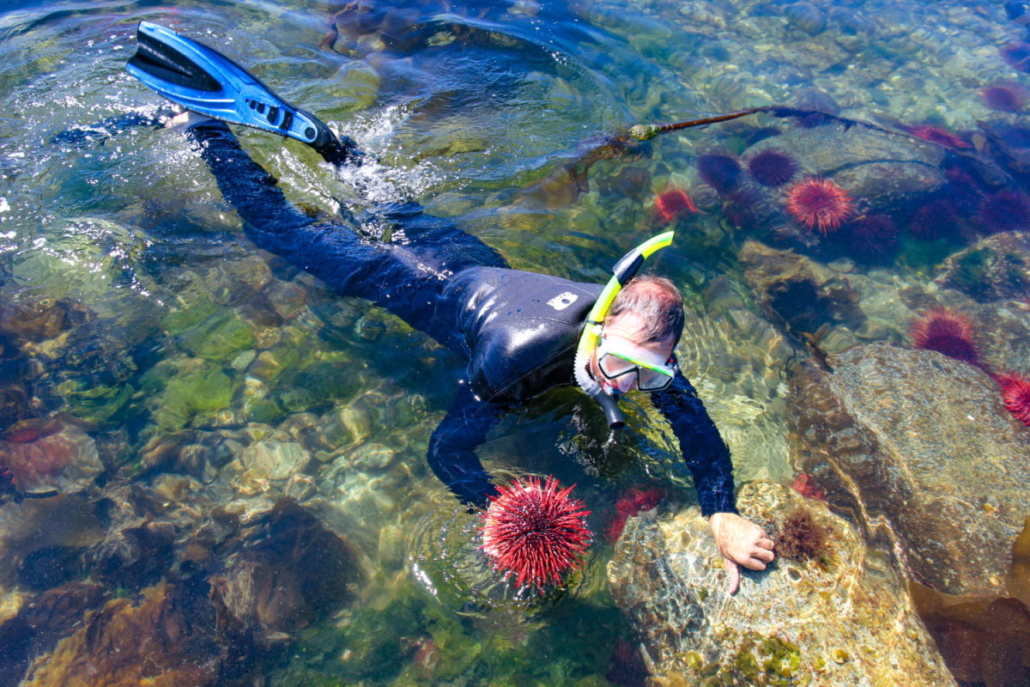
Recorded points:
(842, 617)
(800, 293)
(920, 450)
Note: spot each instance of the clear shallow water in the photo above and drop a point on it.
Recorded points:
(134, 308)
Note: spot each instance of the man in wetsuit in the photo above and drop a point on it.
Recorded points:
(518, 330)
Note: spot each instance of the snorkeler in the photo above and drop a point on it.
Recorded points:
(522, 333)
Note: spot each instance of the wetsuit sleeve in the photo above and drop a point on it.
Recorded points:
(452, 448)
(704, 451)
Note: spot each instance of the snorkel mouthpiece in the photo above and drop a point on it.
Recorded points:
(624, 270)
(610, 406)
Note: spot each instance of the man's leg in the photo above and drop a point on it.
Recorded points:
(405, 276)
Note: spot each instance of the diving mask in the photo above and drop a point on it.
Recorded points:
(623, 362)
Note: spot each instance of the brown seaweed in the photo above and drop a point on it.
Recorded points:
(801, 537)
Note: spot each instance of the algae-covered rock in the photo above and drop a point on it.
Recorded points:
(291, 571)
(180, 390)
(219, 338)
(995, 267)
(920, 450)
(819, 620)
(80, 260)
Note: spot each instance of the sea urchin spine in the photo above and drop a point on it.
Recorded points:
(536, 531)
(819, 204)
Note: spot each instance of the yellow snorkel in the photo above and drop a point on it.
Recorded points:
(624, 270)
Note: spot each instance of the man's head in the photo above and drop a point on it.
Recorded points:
(653, 305)
(643, 325)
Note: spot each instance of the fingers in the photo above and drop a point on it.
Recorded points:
(733, 574)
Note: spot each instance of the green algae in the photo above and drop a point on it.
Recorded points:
(759, 660)
(190, 315)
(95, 404)
(178, 396)
(320, 383)
(219, 338)
(971, 274)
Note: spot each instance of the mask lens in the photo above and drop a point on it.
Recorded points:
(613, 366)
(652, 380)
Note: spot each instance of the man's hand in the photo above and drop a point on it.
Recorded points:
(740, 542)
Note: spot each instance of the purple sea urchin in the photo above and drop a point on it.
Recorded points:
(1016, 54)
(1004, 211)
(772, 168)
(1005, 97)
(871, 238)
(721, 172)
(933, 220)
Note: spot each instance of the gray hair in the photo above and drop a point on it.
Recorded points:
(657, 301)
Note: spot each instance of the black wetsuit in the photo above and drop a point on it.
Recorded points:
(518, 330)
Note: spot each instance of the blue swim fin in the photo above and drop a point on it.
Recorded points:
(203, 80)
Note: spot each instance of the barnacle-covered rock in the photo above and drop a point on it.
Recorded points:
(919, 448)
(813, 621)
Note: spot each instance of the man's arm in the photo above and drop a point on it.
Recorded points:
(452, 448)
(703, 449)
(740, 541)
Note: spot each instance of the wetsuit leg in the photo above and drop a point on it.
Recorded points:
(405, 276)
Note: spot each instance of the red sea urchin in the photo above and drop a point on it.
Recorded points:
(772, 168)
(819, 204)
(536, 531)
(1015, 394)
(672, 203)
(935, 134)
(948, 333)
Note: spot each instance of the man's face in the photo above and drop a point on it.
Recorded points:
(627, 335)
